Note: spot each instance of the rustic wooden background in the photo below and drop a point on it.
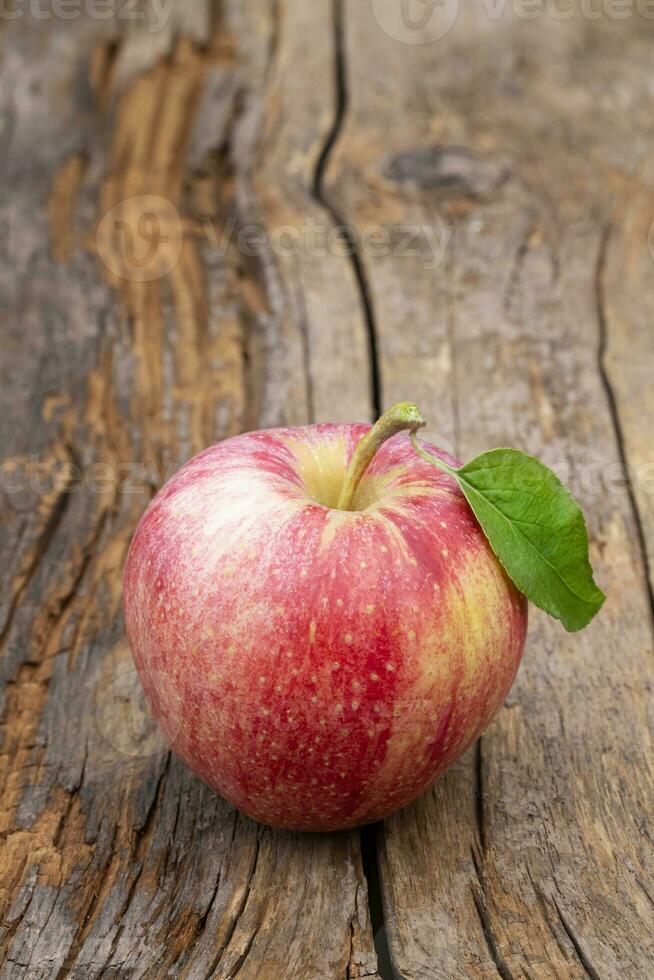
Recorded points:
(521, 153)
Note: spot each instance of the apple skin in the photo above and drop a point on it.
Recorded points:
(318, 668)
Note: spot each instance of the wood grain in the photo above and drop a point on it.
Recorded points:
(115, 860)
(533, 857)
(342, 220)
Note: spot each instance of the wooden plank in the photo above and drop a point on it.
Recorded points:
(115, 860)
(532, 858)
(627, 301)
(296, 107)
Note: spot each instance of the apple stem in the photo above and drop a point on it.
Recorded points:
(401, 417)
(438, 463)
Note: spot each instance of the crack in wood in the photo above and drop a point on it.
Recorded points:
(491, 942)
(203, 919)
(369, 843)
(87, 918)
(239, 912)
(583, 959)
(38, 550)
(602, 319)
(479, 899)
(544, 906)
(320, 195)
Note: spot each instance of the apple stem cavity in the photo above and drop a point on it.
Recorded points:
(404, 416)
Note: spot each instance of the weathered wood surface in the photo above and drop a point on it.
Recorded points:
(518, 155)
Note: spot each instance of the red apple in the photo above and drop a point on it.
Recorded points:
(318, 667)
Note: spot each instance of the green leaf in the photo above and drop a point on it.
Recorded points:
(536, 529)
